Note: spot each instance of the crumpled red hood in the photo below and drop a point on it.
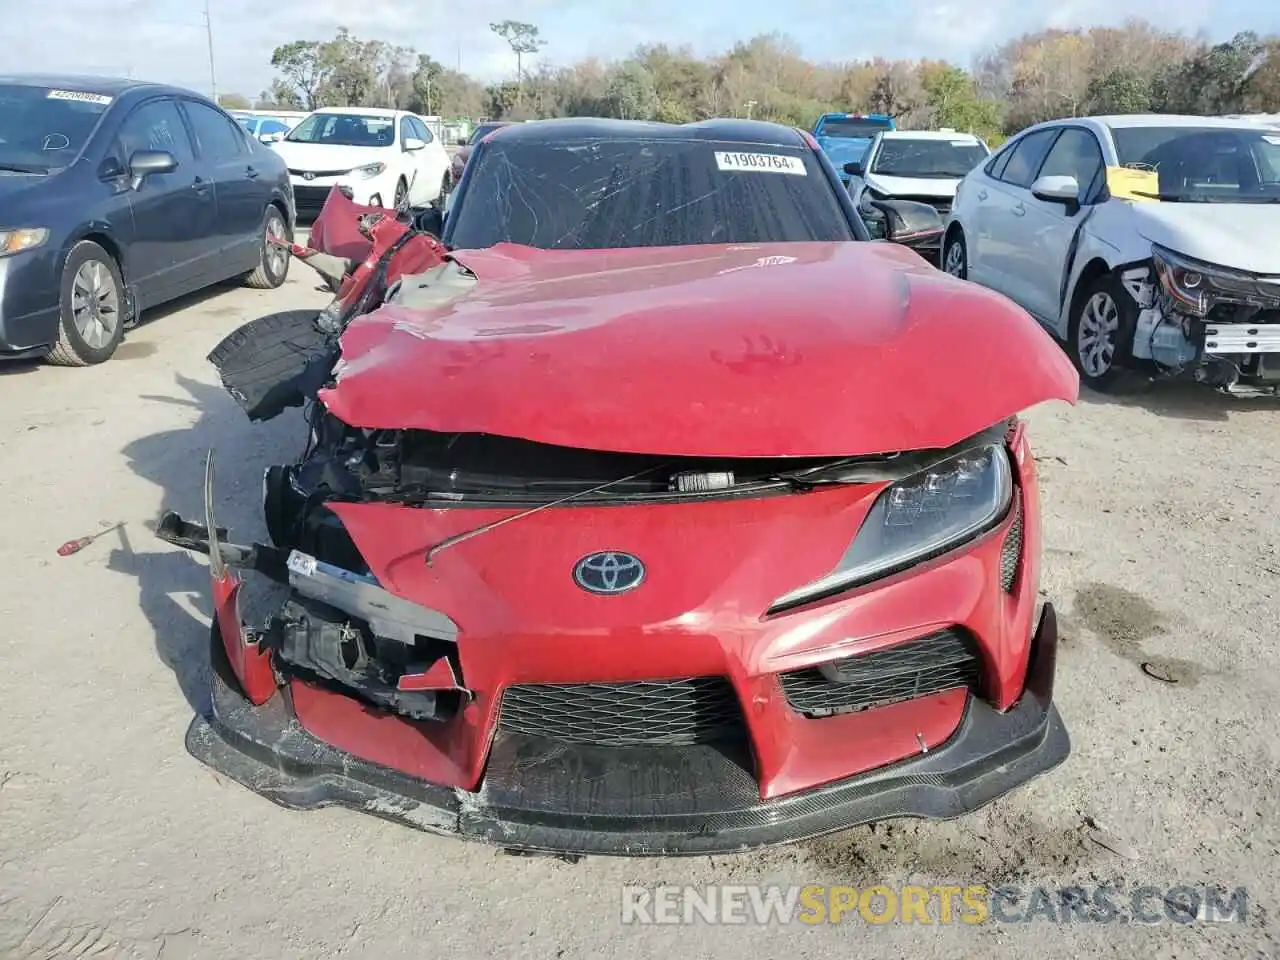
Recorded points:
(798, 349)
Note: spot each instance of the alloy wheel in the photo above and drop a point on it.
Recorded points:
(1096, 335)
(95, 304)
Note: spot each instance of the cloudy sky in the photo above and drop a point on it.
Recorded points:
(165, 39)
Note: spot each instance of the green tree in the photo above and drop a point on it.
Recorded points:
(1213, 81)
(951, 97)
(426, 85)
(631, 93)
(523, 39)
(303, 68)
(1120, 91)
(352, 74)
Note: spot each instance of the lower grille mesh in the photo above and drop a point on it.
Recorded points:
(942, 661)
(650, 712)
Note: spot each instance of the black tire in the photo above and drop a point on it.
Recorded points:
(1102, 367)
(76, 347)
(273, 262)
(955, 249)
(402, 189)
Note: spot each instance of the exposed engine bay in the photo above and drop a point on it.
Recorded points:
(1217, 327)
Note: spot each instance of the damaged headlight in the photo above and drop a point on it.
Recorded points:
(1195, 287)
(920, 517)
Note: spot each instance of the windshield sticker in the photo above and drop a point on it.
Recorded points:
(78, 95)
(761, 163)
(1126, 183)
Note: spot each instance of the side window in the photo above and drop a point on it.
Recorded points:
(218, 139)
(423, 131)
(1027, 156)
(995, 166)
(156, 125)
(1075, 154)
(406, 130)
(272, 126)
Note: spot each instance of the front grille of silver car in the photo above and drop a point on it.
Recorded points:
(946, 660)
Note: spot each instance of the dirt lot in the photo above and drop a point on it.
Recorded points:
(1162, 530)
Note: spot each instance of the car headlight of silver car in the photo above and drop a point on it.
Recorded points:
(918, 518)
(1195, 287)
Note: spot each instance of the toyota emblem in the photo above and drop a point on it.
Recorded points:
(308, 175)
(608, 573)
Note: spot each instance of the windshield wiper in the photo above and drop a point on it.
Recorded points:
(1170, 197)
(23, 168)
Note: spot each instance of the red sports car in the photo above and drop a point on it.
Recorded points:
(652, 509)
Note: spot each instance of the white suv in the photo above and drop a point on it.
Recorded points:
(1141, 239)
(378, 157)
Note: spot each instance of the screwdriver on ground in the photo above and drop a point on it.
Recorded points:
(75, 546)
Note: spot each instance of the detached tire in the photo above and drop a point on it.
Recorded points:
(91, 308)
(273, 261)
(1100, 335)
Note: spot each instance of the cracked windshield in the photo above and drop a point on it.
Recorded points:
(630, 193)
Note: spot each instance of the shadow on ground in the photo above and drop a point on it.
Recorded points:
(173, 584)
(1182, 401)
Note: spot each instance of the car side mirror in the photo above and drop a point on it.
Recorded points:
(271, 137)
(144, 163)
(854, 168)
(429, 219)
(1057, 189)
(909, 223)
(412, 144)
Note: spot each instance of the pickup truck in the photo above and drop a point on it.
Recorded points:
(844, 137)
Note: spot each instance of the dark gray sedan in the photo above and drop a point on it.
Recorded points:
(116, 196)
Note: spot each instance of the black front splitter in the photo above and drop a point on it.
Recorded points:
(581, 799)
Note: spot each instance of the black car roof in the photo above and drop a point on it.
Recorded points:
(79, 83)
(604, 128)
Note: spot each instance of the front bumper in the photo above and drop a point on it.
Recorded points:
(311, 194)
(28, 303)
(641, 802)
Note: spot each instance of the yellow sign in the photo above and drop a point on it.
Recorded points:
(1125, 183)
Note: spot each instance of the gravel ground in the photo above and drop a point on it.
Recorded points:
(1162, 534)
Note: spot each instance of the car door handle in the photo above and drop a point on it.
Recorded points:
(200, 186)
(251, 173)
(982, 194)
(1018, 210)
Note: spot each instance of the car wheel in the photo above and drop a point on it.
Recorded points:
(273, 259)
(402, 190)
(1100, 336)
(92, 304)
(955, 257)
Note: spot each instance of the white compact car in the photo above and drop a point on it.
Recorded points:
(921, 165)
(377, 157)
(1141, 240)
